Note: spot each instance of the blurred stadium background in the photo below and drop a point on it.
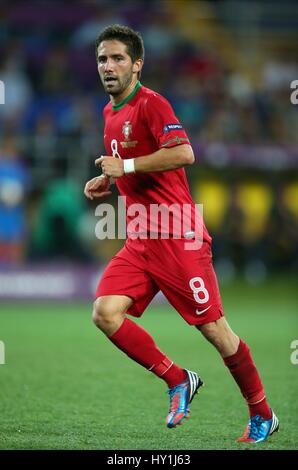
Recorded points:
(226, 67)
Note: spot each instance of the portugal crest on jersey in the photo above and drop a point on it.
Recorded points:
(126, 129)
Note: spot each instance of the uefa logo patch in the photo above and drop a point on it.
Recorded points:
(172, 127)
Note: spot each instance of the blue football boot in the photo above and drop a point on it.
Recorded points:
(259, 429)
(181, 397)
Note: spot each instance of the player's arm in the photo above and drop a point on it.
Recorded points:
(164, 159)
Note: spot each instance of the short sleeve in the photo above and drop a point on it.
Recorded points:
(162, 122)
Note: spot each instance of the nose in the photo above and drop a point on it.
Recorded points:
(109, 65)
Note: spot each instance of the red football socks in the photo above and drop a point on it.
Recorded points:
(134, 341)
(244, 371)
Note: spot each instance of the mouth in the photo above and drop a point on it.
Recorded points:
(110, 80)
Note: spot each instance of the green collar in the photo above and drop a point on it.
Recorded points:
(120, 105)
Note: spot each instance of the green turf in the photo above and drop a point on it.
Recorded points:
(65, 386)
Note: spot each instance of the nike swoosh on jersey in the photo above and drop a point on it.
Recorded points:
(199, 312)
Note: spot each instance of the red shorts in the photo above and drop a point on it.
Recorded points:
(187, 279)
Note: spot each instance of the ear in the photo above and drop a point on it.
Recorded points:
(137, 66)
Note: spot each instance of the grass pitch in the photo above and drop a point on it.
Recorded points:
(65, 386)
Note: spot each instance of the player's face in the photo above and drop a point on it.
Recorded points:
(115, 67)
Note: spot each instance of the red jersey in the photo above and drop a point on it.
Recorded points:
(142, 124)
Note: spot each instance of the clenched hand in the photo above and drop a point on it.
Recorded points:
(110, 166)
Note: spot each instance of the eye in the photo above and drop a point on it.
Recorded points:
(101, 60)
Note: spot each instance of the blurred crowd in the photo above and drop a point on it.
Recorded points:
(51, 125)
(52, 87)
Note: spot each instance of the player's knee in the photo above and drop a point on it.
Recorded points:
(104, 315)
(211, 333)
(221, 336)
(99, 313)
